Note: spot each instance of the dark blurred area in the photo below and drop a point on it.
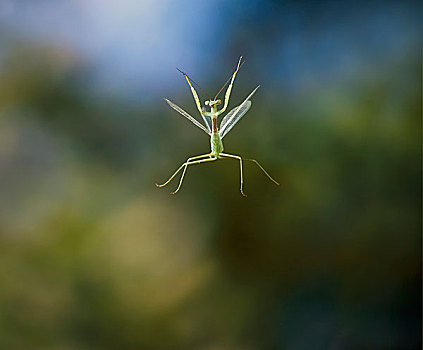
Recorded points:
(94, 256)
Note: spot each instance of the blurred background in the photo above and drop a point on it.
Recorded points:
(94, 256)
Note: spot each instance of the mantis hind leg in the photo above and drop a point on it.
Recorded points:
(180, 168)
(264, 171)
(190, 162)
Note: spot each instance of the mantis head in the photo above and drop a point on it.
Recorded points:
(213, 103)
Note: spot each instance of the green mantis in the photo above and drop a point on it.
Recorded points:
(216, 133)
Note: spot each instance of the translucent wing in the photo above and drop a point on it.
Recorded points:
(235, 115)
(241, 111)
(207, 122)
(186, 115)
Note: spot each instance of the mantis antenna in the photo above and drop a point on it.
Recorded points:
(229, 79)
(186, 76)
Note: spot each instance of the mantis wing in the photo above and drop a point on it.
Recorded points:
(186, 115)
(235, 115)
(207, 122)
(241, 111)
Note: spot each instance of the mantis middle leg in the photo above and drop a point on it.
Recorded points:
(183, 164)
(189, 162)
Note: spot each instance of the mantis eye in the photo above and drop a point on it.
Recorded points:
(218, 102)
(207, 103)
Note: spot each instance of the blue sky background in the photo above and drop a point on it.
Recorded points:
(133, 46)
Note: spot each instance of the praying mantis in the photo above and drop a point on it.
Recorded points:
(216, 133)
